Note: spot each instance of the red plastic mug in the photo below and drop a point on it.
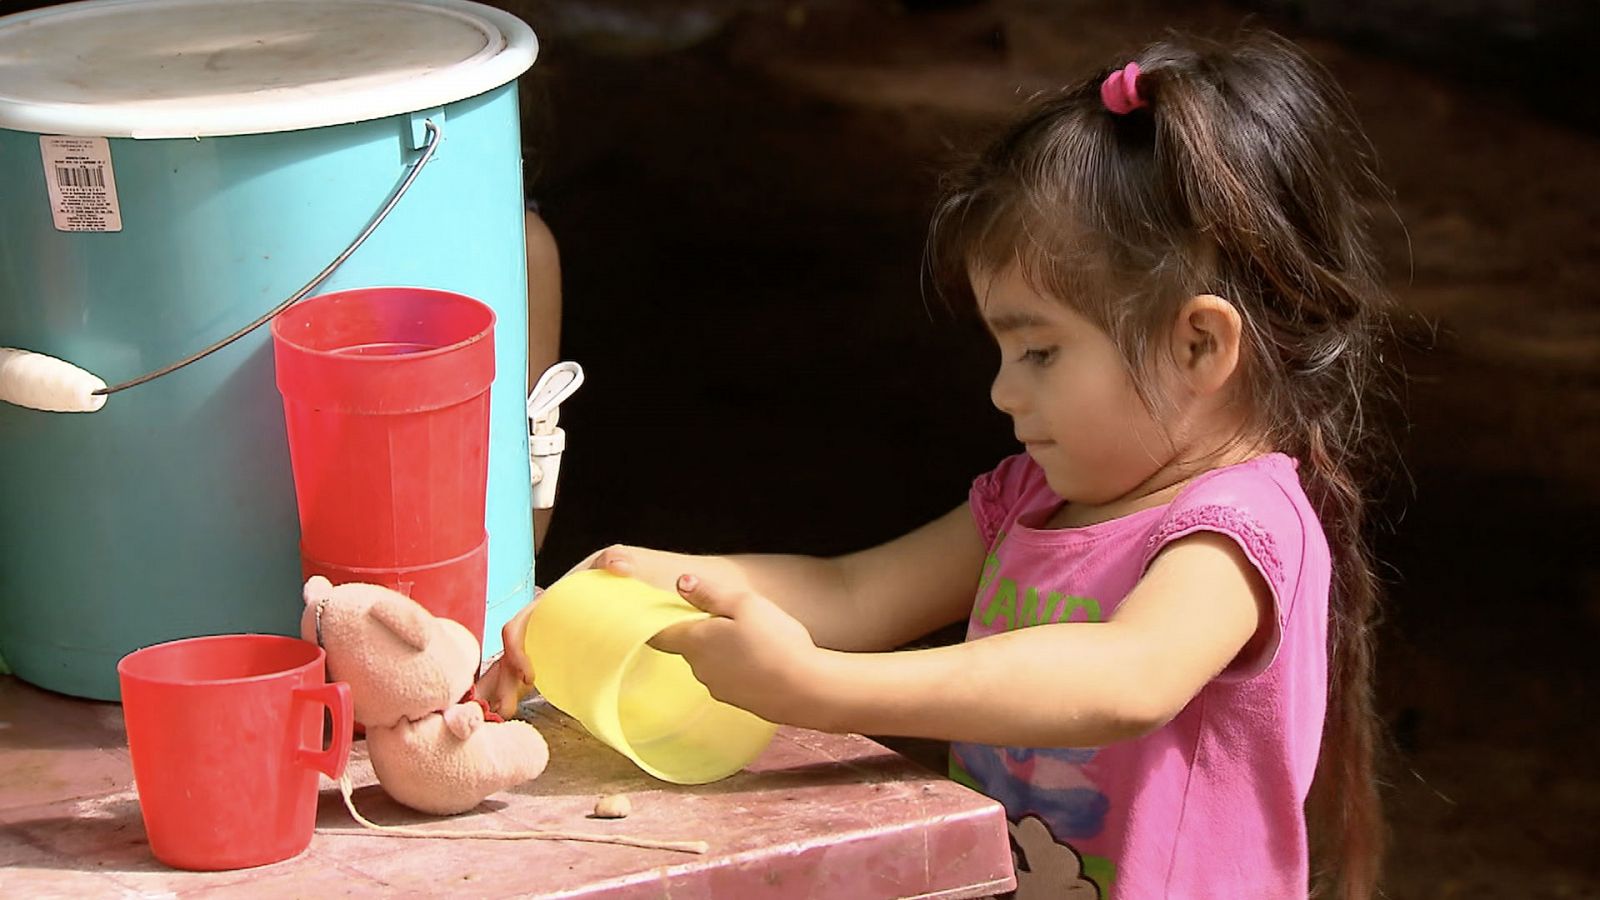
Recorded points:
(226, 738)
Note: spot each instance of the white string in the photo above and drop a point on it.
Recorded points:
(346, 789)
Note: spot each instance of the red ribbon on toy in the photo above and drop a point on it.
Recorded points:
(489, 715)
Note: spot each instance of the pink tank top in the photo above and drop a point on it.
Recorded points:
(1211, 804)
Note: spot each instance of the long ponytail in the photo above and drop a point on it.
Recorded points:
(1266, 153)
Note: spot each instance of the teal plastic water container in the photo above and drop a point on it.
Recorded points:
(169, 171)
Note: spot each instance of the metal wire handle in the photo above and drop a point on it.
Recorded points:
(434, 135)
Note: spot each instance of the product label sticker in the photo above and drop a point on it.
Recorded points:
(82, 187)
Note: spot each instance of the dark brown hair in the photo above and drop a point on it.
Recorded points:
(1244, 176)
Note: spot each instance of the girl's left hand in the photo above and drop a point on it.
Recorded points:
(751, 653)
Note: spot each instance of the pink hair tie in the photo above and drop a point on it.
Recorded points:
(1120, 91)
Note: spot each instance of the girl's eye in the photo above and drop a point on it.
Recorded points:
(1039, 356)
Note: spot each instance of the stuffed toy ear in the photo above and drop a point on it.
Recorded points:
(404, 617)
(317, 590)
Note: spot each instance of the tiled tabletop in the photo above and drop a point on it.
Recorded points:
(817, 816)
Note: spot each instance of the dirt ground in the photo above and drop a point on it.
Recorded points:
(741, 190)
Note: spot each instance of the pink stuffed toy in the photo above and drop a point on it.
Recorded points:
(408, 671)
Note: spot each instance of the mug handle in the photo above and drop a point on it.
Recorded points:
(336, 697)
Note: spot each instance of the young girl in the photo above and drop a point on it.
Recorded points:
(1168, 597)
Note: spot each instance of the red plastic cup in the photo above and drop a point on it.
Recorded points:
(226, 738)
(386, 398)
(454, 588)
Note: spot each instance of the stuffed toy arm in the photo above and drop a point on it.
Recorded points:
(463, 719)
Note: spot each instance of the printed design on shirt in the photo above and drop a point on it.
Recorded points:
(1048, 797)
(1049, 783)
(1060, 797)
(1003, 605)
(1047, 870)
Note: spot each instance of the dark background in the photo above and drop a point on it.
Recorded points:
(740, 191)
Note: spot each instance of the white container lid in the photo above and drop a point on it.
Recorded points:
(207, 68)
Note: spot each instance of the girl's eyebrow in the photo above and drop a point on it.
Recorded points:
(1014, 321)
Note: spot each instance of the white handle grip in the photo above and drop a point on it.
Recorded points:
(46, 383)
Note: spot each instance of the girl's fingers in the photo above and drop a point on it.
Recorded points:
(510, 678)
(678, 638)
(499, 688)
(675, 639)
(711, 598)
(515, 658)
(615, 560)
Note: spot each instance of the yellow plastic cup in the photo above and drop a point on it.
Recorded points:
(587, 641)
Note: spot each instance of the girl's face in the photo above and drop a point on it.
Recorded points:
(1067, 390)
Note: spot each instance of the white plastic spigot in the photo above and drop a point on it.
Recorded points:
(546, 442)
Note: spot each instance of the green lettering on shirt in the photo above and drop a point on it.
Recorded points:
(991, 564)
(1047, 611)
(1089, 605)
(1031, 612)
(1034, 609)
(1004, 602)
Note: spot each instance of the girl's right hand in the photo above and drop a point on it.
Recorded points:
(510, 678)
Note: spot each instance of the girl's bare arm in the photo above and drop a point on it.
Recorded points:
(875, 599)
(1200, 608)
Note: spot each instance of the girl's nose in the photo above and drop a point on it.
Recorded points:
(1001, 395)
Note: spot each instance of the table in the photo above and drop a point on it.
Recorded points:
(817, 815)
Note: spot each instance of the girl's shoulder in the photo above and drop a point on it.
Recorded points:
(1270, 478)
(1269, 473)
(1016, 486)
(1260, 503)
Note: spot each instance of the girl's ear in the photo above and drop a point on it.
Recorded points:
(1205, 342)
